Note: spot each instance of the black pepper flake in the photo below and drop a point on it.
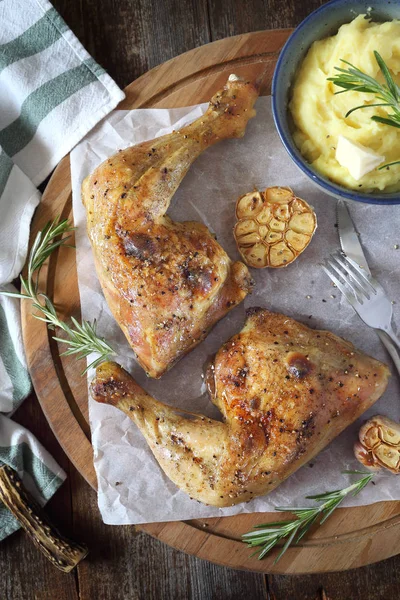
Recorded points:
(123, 195)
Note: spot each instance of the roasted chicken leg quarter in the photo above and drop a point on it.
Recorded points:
(166, 283)
(285, 391)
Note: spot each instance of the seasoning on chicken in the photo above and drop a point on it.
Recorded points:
(284, 391)
(274, 227)
(166, 283)
(379, 444)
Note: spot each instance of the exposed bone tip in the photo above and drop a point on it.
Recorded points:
(233, 77)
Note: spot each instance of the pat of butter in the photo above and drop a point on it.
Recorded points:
(358, 159)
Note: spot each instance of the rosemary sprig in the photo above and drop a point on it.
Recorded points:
(268, 535)
(387, 94)
(82, 338)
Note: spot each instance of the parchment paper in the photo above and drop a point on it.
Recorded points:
(132, 487)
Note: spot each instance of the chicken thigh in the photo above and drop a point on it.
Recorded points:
(284, 390)
(166, 283)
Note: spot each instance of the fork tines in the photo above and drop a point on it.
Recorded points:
(351, 279)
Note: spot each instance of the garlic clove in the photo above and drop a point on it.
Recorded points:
(274, 227)
(379, 444)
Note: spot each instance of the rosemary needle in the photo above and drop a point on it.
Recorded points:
(81, 338)
(386, 94)
(268, 535)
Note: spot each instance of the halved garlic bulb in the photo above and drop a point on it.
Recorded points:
(379, 444)
(273, 227)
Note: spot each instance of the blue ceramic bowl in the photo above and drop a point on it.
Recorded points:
(323, 22)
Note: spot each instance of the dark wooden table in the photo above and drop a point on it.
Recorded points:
(128, 37)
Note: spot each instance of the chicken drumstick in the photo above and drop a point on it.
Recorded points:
(166, 283)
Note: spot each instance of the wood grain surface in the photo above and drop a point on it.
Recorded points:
(351, 537)
(128, 38)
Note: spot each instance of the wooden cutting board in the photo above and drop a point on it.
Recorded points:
(352, 537)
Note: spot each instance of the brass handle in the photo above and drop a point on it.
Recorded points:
(62, 552)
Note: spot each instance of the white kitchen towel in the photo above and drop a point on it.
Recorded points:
(51, 94)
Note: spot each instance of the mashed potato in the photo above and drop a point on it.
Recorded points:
(319, 115)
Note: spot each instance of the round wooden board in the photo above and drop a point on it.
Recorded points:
(352, 537)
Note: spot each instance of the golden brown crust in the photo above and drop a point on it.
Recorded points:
(285, 391)
(166, 283)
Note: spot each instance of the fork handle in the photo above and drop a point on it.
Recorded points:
(392, 345)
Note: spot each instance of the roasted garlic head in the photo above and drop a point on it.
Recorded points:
(273, 227)
(379, 444)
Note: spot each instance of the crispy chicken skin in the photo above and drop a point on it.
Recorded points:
(166, 283)
(284, 391)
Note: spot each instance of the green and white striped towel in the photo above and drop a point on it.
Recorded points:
(51, 94)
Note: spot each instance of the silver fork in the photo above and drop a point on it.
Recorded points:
(365, 294)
